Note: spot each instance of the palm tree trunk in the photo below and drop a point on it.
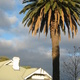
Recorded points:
(55, 51)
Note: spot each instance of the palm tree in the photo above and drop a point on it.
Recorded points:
(55, 15)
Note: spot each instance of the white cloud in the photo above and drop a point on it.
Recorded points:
(49, 54)
(6, 42)
(13, 19)
(7, 4)
(6, 21)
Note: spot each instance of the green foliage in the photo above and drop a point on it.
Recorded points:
(54, 6)
(27, 7)
(3, 58)
(26, 67)
(47, 7)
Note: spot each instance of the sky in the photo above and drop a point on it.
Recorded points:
(15, 39)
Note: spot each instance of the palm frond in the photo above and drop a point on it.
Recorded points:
(58, 18)
(42, 24)
(54, 6)
(31, 25)
(49, 17)
(29, 6)
(25, 1)
(46, 7)
(62, 15)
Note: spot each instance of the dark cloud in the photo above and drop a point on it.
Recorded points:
(66, 43)
(32, 56)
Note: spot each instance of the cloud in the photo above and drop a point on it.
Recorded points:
(49, 54)
(6, 21)
(13, 19)
(7, 17)
(7, 4)
(68, 44)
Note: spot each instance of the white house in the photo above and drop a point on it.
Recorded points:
(10, 70)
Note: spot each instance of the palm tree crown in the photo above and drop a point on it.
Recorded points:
(40, 13)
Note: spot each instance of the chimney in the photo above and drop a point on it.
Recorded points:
(16, 63)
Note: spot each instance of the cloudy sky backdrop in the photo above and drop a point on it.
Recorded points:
(15, 39)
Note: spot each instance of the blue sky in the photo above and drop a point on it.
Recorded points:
(15, 39)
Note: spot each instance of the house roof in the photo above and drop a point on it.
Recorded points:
(29, 71)
(35, 71)
(3, 62)
(8, 73)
